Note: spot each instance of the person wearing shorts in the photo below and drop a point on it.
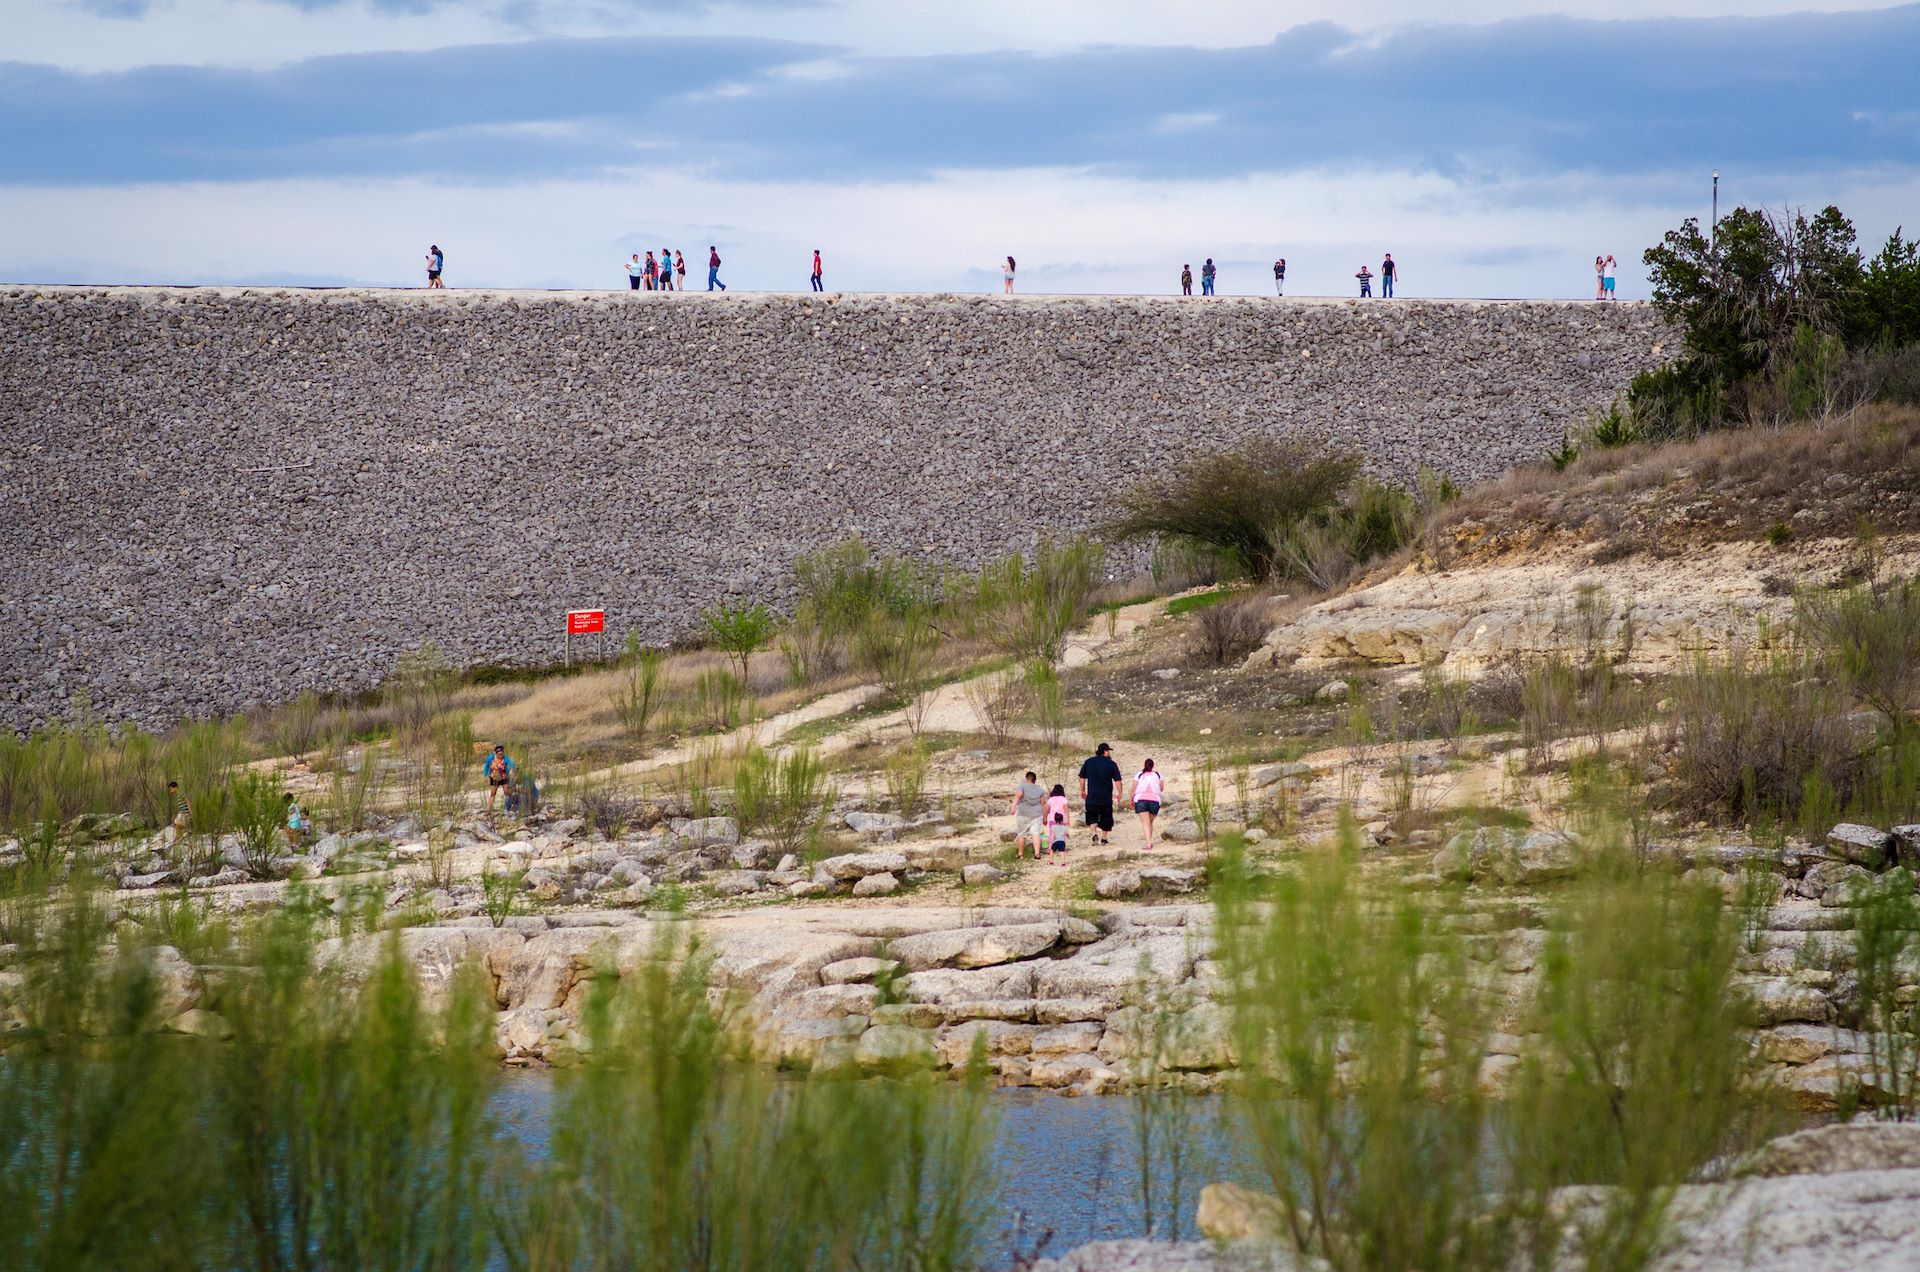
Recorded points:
(1606, 278)
(436, 261)
(1029, 806)
(1147, 792)
(1059, 820)
(499, 769)
(1099, 777)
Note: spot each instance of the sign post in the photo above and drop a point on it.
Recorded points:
(591, 622)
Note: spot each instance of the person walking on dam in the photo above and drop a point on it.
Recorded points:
(1366, 281)
(817, 285)
(679, 270)
(1280, 277)
(436, 261)
(1207, 273)
(1186, 280)
(666, 269)
(713, 268)
(636, 273)
(1388, 271)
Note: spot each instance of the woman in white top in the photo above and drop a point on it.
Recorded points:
(1147, 792)
(1006, 276)
(1599, 278)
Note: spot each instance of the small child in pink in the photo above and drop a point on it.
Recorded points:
(1058, 818)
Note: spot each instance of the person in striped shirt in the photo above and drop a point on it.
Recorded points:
(182, 813)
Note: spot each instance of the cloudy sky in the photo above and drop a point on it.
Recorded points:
(1103, 142)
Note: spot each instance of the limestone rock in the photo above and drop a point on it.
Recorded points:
(858, 865)
(975, 947)
(1862, 845)
(1229, 1212)
(876, 885)
(849, 971)
(981, 872)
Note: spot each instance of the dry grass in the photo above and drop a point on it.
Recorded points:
(1735, 485)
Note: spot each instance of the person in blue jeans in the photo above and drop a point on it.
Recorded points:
(1366, 281)
(713, 269)
(1387, 271)
(1206, 277)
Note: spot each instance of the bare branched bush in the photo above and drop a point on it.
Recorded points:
(997, 699)
(1228, 631)
(1870, 636)
(1754, 739)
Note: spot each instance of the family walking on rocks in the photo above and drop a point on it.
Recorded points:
(1042, 816)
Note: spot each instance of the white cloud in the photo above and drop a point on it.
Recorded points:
(1072, 231)
(1186, 121)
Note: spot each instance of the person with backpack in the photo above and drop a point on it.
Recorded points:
(1147, 792)
(817, 284)
(1058, 821)
(1207, 273)
(1280, 277)
(499, 769)
(1186, 280)
(1388, 272)
(436, 261)
(713, 269)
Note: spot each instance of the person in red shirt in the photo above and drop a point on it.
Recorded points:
(713, 269)
(816, 270)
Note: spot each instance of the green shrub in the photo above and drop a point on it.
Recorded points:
(639, 692)
(1032, 606)
(1229, 502)
(739, 630)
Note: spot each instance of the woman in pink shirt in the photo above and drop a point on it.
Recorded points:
(1147, 792)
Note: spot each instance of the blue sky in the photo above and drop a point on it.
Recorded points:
(1103, 142)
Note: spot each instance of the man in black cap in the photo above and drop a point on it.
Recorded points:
(1099, 778)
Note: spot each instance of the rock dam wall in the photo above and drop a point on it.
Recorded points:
(211, 498)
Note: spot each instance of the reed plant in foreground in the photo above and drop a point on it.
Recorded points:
(1362, 1013)
(313, 1108)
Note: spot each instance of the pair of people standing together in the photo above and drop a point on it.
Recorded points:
(1043, 815)
(1207, 275)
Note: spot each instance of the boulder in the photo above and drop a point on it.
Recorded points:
(852, 971)
(980, 873)
(1067, 1039)
(1906, 845)
(894, 1046)
(821, 1043)
(862, 822)
(1229, 1212)
(975, 947)
(876, 885)
(1332, 691)
(955, 1043)
(711, 830)
(1180, 830)
(1837, 1149)
(200, 1023)
(1165, 879)
(1862, 845)
(1120, 883)
(738, 883)
(1780, 1002)
(858, 865)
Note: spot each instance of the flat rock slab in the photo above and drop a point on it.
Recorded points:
(975, 947)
